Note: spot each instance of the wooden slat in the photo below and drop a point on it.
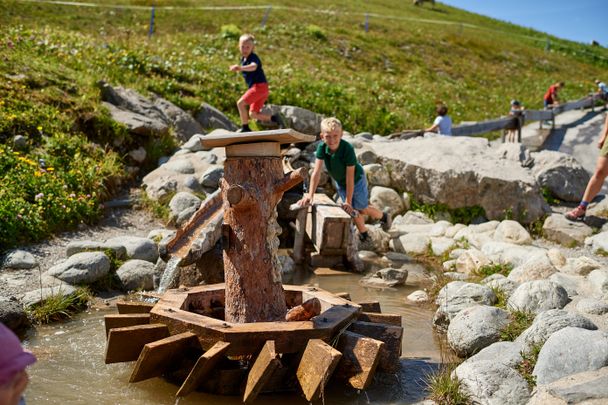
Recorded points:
(390, 319)
(370, 306)
(124, 320)
(204, 365)
(134, 307)
(160, 356)
(343, 294)
(125, 344)
(265, 364)
(286, 135)
(392, 337)
(538, 115)
(316, 367)
(360, 357)
(482, 127)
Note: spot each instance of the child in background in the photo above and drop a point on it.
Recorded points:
(551, 97)
(517, 110)
(13, 361)
(341, 163)
(443, 123)
(257, 94)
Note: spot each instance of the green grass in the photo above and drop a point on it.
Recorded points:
(59, 307)
(490, 269)
(520, 321)
(526, 366)
(443, 389)
(316, 56)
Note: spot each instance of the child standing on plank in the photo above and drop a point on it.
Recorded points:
(257, 93)
(341, 163)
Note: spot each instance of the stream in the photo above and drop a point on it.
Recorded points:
(71, 368)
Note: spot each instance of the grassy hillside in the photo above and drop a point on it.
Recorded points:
(316, 56)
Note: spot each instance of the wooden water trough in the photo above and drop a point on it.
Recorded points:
(235, 337)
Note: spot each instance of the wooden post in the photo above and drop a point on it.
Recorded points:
(298, 246)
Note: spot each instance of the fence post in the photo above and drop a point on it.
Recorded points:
(265, 18)
(366, 22)
(519, 125)
(151, 30)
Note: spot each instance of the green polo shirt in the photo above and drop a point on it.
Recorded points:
(337, 162)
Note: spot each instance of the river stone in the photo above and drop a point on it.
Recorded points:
(586, 388)
(418, 296)
(78, 246)
(411, 243)
(458, 295)
(488, 382)
(580, 266)
(182, 166)
(13, 315)
(211, 177)
(39, 295)
(537, 267)
(537, 296)
(400, 228)
(194, 143)
(454, 229)
(568, 233)
(471, 261)
(159, 234)
(501, 252)
(592, 306)
(136, 275)
(572, 284)
(561, 174)
(512, 232)
(598, 243)
(81, 268)
(388, 277)
(441, 245)
(413, 217)
(500, 282)
(570, 351)
(377, 175)
(557, 258)
(137, 247)
(505, 353)
(476, 327)
(548, 322)
(387, 199)
(182, 201)
(599, 280)
(19, 260)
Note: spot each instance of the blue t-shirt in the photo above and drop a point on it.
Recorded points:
(445, 124)
(337, 162)
(257, 76)
(603, 87)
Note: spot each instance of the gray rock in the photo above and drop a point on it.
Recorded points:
(184, 216)
(463, 172)
(136, 123)
(192, 183)
(561, 174)
(411, 243)
(35, 297)
(500, 282)
(413, 217)
(194, 143)
(211, 118)
(512, 232)
(586, 388)
(388, 277)
(300, 119)
(211, 177)
(138, 155)
(81, 268)
(137, 247)
(19, 142)
(599, 280)
(537, 267)
(592, 306)
(581, 265)
(13, 315)
(137, 275)
(571, 351)
(387, 199)
(19, 259)
(476, 327)
(537, 296)
(79, 246)
(418, 296)
(598, 243)
(501, 252)
(505, 353)
(458, 295)
(184, 126)
(572, 284)
(549, 322)
(490, 383)
(182, 166)
(377, 175)
(183, 201)
(441, 245)
(568, 233)
(515, 152)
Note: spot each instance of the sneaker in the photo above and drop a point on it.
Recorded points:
(280, 120)
(386, 221)
(365, 242)
(241, 130)
(577, 214)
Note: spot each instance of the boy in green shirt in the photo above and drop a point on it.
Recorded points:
(341, 163)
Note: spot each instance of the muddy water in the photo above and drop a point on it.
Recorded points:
(71, 369)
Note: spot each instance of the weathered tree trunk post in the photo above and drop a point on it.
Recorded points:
(251, 189)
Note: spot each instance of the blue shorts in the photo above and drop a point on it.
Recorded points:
(360, 194)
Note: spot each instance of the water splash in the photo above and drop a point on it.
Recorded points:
(170, 274)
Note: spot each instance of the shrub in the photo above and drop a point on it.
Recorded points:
(316, 32)
(230, 31)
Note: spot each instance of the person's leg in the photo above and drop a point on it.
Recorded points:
(243, 111)
(593, 187)
(372, 212)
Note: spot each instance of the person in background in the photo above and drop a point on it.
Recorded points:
(602, 92)
(596, 181)
(517, 110)
(551, 97)
(13, 361)
(443, 123)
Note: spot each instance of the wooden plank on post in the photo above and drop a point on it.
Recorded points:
(360, 356)
(124, 320)
(265, 364)
(316, 367)
(390, 319)
(204, 365)
(160, 356)
(370, 306)
(134, 307)
(298, 246)
(125, 344)
(391, 335)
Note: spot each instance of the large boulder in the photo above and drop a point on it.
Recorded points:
(81, 268)
(137, 247)
(586, 388)
(386, 199)
(183, 124)
(137, 123)
(561, 174)
(211, 118)
(300, 119)
(462, 172)
(18, 260)
(475, 328)
(568, 233)
(458, 295)
(537, 267)
(537, 296)
(137, 275)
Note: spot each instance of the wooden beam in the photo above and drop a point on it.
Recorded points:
(360, 357)
(125, 344)
(298, 246)
(204, 365)
(392, 337)
(124, 320)
(265, 364)
(329, 226)
(316, 367)
(370, 306)
(390, 319)
(161, 356)
(343, 294)
(134, 307)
